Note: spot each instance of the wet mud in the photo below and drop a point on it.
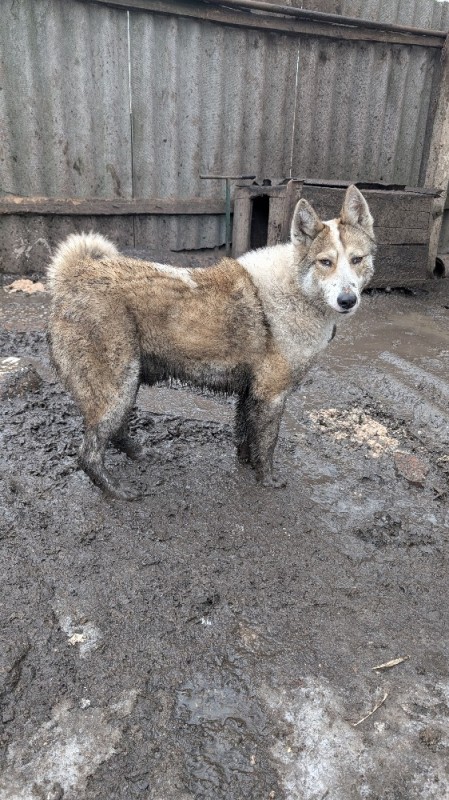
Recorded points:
(217, 639)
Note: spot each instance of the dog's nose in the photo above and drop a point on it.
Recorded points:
(346, 300)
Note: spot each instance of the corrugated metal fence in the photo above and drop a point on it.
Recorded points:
(419, 13)
(96, 102)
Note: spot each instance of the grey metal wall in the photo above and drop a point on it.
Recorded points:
(64, 119)
(64, 105)
(206, 98)
(433, 14)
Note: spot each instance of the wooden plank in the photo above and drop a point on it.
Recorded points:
(437, 173)
(401, 235)
(97, 206)
(241, 231)
(371, 186)
(276, 23)
(276, 219)
(400, 265)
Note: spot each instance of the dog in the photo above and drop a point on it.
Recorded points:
(250, 327)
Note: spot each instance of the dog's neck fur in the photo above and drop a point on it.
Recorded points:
(303, 333)
(271, 267)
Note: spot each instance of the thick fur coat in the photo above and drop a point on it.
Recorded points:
(250, 327)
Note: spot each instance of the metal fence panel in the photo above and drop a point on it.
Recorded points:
(64, 105)
(362, 110)
(207, 99)
(432, 14)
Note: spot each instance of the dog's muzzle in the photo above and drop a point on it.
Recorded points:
(346, 301)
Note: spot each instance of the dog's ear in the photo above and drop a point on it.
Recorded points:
(306, 223)
(355, 211)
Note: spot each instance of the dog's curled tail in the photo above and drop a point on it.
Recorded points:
(76, 247)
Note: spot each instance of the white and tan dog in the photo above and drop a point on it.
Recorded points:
(249, 327)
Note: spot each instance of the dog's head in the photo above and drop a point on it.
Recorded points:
(335, 258)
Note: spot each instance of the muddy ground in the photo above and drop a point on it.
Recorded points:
(217, 639)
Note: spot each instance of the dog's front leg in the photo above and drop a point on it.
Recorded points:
(242, 432)
(263, 421)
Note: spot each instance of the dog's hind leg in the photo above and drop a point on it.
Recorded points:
(122, 441)
(110, 426)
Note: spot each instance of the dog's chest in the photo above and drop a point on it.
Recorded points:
(301, 340)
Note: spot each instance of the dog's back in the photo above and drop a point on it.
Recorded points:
(193, 319)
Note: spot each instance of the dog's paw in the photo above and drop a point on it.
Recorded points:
(271, 482)
(243, 454)
(122, 491)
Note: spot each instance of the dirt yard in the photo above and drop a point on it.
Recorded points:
(218, 640)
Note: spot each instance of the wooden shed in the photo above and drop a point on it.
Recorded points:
(403, 218)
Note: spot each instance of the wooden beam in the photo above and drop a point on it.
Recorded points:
(276, 23)
(241, 231)
(98, 206)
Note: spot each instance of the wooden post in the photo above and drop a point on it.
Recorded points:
(276, 219)
(241, 231)
(437, 172)
(293, 193)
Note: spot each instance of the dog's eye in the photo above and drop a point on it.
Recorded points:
(326, 262)
(356, 259)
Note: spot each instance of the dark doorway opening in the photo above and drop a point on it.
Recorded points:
(259, 221)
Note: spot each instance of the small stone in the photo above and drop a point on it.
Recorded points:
(8, 715)
(77, 638)
(411, 468)
(17, 377)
